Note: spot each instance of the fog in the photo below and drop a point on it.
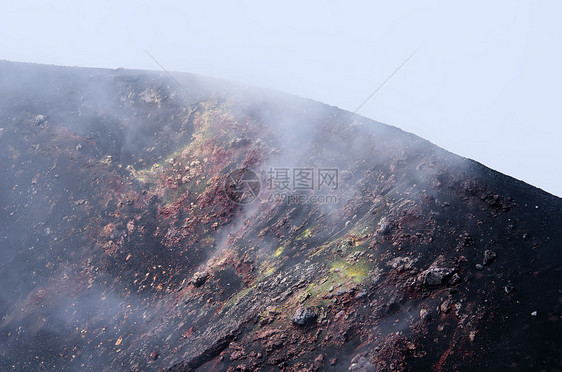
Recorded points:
(483, 84)
(480, 85)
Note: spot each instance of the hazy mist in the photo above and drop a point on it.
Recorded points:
(483, 83)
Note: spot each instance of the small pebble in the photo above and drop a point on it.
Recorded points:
(489, 257)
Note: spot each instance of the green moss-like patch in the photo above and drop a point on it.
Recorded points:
(235, 300)
(278, 252)
(356, 271)
(304, 235)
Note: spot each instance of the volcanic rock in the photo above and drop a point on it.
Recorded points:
(359, 225)
(199, 278)
(304, 316)
(40, 119)
(489, 257)
(455, 279)
(436, 275)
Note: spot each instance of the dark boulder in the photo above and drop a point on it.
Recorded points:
(489, 257)
(199, 278)
(304, 316)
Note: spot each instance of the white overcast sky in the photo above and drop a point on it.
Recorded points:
(485, 82)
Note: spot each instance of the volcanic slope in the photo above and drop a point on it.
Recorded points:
(368, 248)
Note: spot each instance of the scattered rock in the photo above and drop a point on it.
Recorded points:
(238, 355)
(154, 355)
(40, 119)
(342, 292)
(304, 316)
(455, 279)
(340, 314)
(186, 333)
(401, 263)
(240, 142)
(361, 295)
(534, 313)
(384, 227)
(199, 278)
(303, 297)
(78, 147)
(472, 336)
(457, 307)
(489, 257)
(445, 306)
(467, 240)
(425, 314)
(508, 288)
(479, 267)
(319, 361)
(436, 275)
(333, 361)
